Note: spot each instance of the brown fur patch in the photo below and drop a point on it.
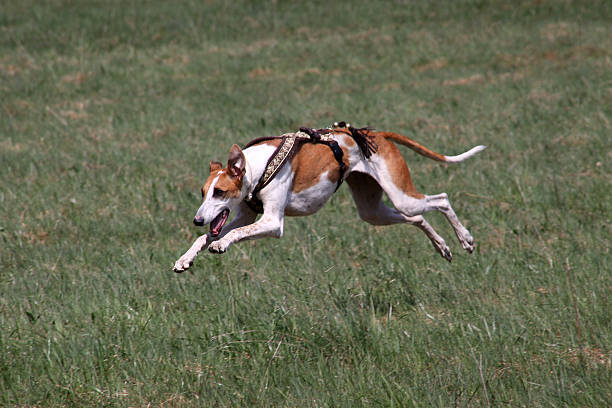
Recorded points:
(406, 141)
(207, 184)
(231, 186)
(396, 166)
(215, 166)
(350, 142)
(271, 142)
(311, 162)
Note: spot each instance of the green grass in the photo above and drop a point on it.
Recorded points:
(110, 112)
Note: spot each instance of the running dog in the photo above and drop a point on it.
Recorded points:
(301, 182)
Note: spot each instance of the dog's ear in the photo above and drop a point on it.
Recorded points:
(215, 166)
(236, 163)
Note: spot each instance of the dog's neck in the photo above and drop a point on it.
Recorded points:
(256, 159)
(248, 182)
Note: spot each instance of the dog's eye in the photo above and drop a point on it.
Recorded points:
(217, 192)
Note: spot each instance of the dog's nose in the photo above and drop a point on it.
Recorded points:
(199, 221)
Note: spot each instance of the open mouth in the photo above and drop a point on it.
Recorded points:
(219, 222)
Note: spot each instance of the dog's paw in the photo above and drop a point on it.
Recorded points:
(217, 247)
(465, 238)
(182, 264)
(446, 254)
(443, 250)
(468, 243)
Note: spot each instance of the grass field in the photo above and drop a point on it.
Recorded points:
(111, 110)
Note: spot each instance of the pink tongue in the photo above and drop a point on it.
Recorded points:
(218, 222)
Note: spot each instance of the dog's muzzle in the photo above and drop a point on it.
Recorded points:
(199, 221)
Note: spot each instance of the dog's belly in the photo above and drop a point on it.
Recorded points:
(310, 200)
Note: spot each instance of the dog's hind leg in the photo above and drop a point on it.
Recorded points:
(367, 194)
(416, 206)
(437, 241)
(393, 175)
(441, 203)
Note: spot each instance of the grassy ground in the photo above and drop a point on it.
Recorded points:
(110, 112)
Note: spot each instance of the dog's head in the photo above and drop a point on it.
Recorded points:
(222, 191)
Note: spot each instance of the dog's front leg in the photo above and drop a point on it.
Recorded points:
(267, 226)
(243, 217)
(185, 261)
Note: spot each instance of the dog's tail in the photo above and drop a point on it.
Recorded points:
(422, 150)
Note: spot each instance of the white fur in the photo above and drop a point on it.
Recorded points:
(461, 157)
(211, 206)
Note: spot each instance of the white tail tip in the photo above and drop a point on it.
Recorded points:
(461, 157)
